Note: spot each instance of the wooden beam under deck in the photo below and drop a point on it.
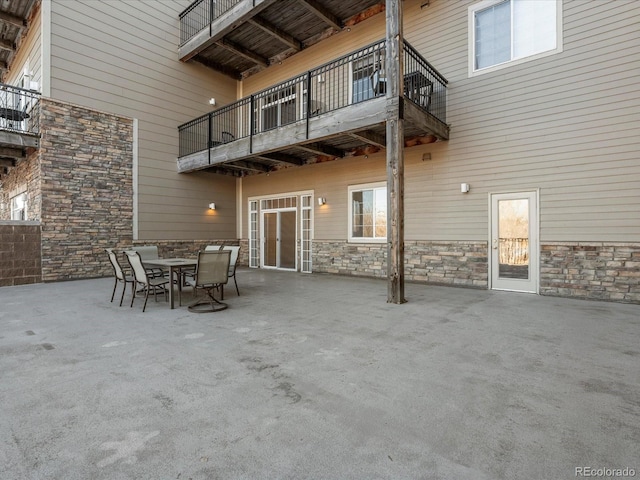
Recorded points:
(7, 162)
(282, 158)
(323, 13)
(243, 52)
(371, 138)
(277, 33)
(12, 152)
(13, 20)
(321, 149)
(7, 45)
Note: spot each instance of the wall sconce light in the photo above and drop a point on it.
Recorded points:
(465, 187)
(212, 101)
(212, 206)
(322, 201)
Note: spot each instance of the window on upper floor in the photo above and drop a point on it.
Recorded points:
(19, 207)
(505, 32)
(368, 213)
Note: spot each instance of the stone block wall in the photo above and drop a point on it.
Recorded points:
(598, 271)
(20, 261)
(443, 263)
(447, 263)
(86, 161)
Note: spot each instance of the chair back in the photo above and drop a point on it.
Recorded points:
(213, 267)
(113, 258)
(210, 248)
(135, 261)
(147, 252)
(235, 250)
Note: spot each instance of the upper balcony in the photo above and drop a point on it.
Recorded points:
(19, 124)
(241, 37)
(333, 111)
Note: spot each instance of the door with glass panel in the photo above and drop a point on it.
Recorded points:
(514, 242)
(279, 237)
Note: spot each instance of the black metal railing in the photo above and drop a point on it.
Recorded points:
(200, 15)
(19, 109)
(356, 77)
(514, 251)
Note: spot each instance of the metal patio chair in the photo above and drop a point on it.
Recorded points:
(212, 272)
(143, 279)
(191, 272)
(235, 250)
(120, 275)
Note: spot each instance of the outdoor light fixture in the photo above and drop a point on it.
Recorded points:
(212, 206)
(322, 201)
(465, 187)
(212, 101)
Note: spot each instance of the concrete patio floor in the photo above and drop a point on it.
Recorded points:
(316, 376)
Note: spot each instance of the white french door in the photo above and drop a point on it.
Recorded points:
(281, 231)
(514, 243)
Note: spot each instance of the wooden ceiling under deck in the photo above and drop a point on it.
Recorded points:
(248, 39)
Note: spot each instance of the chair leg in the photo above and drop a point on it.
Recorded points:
(236, 282)
(133, 293)
(146, 297)
(124, 289)
(114, 289)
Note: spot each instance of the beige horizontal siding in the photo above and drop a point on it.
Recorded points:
(565, 125)
(121, 57)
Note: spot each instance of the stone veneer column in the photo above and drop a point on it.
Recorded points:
(86, 159)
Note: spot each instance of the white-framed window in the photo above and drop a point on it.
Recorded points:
(368, 212)
(19, 206)
(506, 32)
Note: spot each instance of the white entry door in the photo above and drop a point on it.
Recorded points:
(514, 242)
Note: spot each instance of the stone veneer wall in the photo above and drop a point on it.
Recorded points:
(20, 261)
(443, 263)
(599, 271)
(86, 161)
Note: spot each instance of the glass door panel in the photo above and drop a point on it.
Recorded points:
(513, 238)
(287, 239)
(270, 239)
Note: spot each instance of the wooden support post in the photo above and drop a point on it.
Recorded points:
(395, 153)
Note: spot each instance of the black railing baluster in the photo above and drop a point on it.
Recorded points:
(209, 139)
(252, 120)
(308, 105)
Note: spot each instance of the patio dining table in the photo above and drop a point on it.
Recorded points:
(175, 266)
